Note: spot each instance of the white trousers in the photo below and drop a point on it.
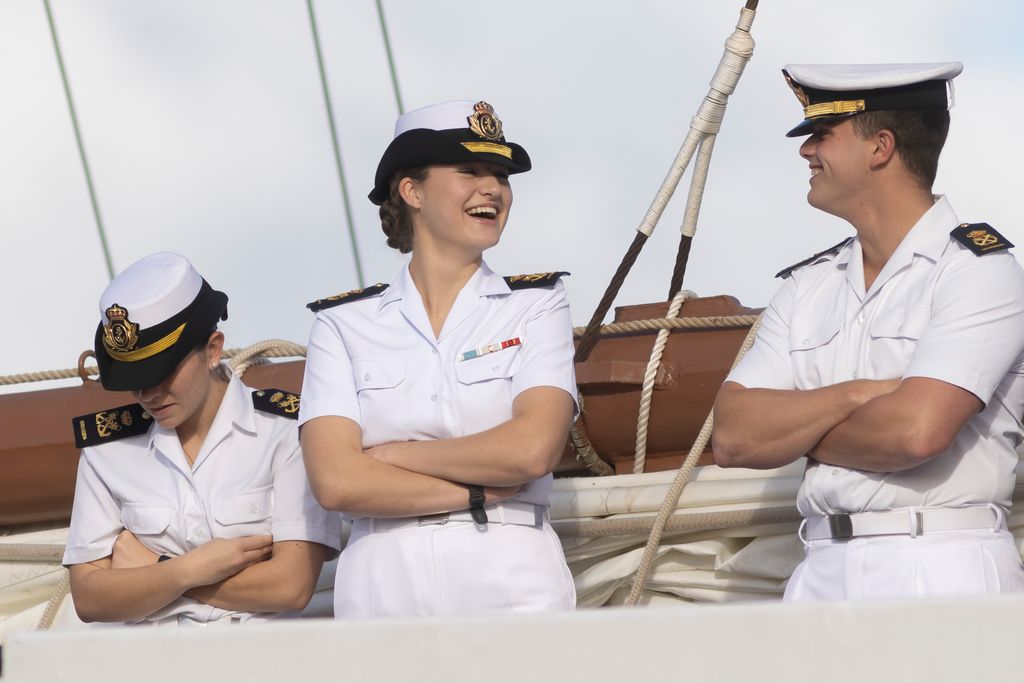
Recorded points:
(450, 569)
(947, 563)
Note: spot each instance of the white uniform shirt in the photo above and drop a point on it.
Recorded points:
(936, 310)
(248, 479)
(376, 361)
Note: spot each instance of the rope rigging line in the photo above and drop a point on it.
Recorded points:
(391, 57)
(78, 140)
(704, 126)
(668, 506)
(335, 145)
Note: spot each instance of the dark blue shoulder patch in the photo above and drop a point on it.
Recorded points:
(276, 402)
(515, 282)
(980, 238)
(831, 251)
(110, 425)
(346, 297)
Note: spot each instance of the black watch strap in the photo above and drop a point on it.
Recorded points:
(476, 503)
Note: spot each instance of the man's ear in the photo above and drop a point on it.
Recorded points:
(885, 148)
(409, 190)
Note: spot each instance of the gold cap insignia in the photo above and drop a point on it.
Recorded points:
(120, 333)
(483, 122)
(805, 101)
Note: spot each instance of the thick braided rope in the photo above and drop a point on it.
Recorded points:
(738, 49)
(255, 354)
(647, 391)
(672, 497)
(698, 323)
(55, 601)
(42, 553)
(681, 521)
(274, 348)
(697, 184)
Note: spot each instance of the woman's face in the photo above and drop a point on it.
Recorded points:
(180, 395)
(461, 206)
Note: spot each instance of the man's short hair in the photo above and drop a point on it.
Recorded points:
(919, 135)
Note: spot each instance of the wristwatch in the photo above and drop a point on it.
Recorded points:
(476, 504)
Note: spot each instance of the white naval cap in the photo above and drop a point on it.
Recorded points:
(833, 91)
(151, 316)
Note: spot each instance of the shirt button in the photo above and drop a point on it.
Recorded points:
(433, 397)
(366, 377)
(494, 368)
(807, 341)
(254, 508)
(834, 471)
(856, 375)
(435, 351)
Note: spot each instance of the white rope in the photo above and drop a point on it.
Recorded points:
(709, 322)
(647, 392)
(697, 183)
(738, 49)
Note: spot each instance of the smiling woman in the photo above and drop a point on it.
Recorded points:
(435, 408)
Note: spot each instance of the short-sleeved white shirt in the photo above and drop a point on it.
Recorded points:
(248, 479)
(377, 362)
(936, 310)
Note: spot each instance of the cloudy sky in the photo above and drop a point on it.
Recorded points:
(205, 127)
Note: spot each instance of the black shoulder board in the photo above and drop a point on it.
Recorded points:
(981, 238)
(831, 251)
(110, 425)
(346, 297)
(277, 402)
(515, 282)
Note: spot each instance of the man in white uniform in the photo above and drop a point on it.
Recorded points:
(892, 361)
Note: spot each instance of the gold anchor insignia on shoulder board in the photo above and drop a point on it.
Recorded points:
(289, 403)
(980, 238)
(533, 277)
(120, 333)
(531, 280)
(483, 121)
(107, 423)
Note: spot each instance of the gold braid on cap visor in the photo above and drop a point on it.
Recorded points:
(147, 351)
(832, 108)
(489, 147)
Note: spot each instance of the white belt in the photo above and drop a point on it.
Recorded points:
(186, 621)
(903, 522)
(507, 512)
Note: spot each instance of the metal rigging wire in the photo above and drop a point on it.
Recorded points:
(337, 148)
(78, 139)
(391, 58)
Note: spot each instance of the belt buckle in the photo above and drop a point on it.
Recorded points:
(438, 518)
(840, 526)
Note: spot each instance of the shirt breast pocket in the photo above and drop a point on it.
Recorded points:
(245, 513)
(372, 374)
(492, 366)
(812, 350)
(145, 520)
(894, 336)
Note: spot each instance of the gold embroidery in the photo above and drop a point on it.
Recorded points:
(81, 427)
(832, 108)
(289, 403)
(489, 148)
(797, 90)
(530, 278)
(982, 238)
(146, 351)
(120, 333)
(107, 424)
(483, 122)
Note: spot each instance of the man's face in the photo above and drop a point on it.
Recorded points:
(839, 163)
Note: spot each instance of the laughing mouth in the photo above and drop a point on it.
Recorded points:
(483, 212)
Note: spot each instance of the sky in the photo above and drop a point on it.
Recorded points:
(206, 131)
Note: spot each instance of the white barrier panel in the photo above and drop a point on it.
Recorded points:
(961, 640)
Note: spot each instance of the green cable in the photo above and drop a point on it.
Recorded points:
(337, 147)
(78, 140)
